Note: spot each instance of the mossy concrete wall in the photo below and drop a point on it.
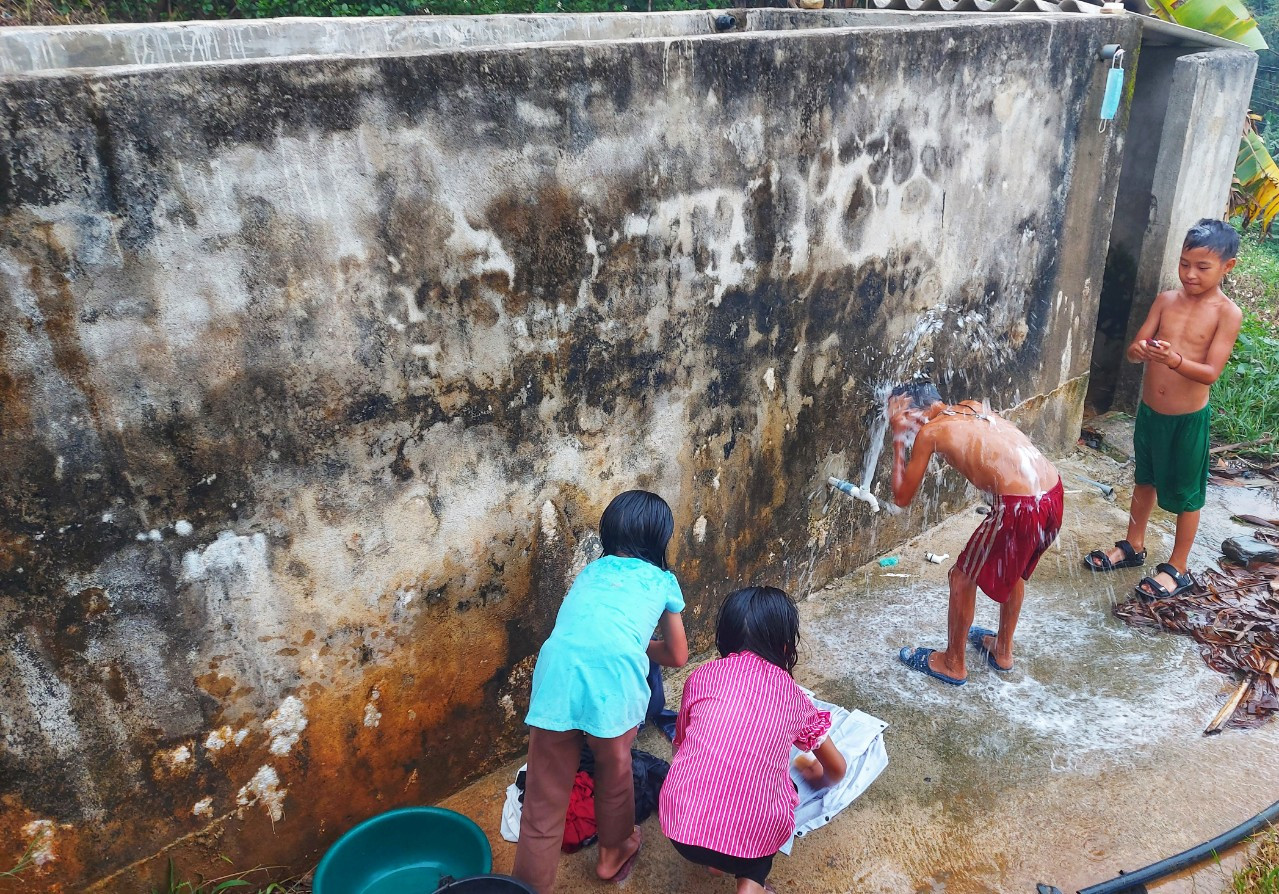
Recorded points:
(317, 372)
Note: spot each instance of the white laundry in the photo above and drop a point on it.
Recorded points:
(512, 810)
(860, 739)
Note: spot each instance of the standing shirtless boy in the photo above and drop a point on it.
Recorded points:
(1026, 493)
(1184, 343)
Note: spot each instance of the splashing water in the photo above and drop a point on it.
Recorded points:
(895, 372)
(877, 432)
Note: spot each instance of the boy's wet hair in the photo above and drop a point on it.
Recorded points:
(922, 394)
(637, 524)
(1217, 236)
(762, 620)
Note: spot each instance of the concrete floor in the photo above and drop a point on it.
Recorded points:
(1088, 758)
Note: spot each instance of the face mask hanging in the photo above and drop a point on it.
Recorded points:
(1114, 90)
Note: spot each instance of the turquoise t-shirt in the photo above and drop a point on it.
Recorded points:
(592, 673)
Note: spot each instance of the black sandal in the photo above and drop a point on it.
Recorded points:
(1131, 559)
(1149, 588)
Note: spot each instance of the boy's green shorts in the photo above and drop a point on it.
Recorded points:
(1171, 452)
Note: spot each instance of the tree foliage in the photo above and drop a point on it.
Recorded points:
(178, 10)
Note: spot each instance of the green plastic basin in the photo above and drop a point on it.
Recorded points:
(404, 851)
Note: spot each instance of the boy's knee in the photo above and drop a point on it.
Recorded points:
(959, 581)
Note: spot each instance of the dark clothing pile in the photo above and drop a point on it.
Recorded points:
(648, 773)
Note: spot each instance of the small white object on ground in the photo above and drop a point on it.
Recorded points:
(512, 811)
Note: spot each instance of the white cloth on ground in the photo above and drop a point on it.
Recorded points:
(860, 739)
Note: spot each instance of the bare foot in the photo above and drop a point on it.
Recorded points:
(615, 863)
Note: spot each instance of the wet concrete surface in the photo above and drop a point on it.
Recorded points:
(1086, 759)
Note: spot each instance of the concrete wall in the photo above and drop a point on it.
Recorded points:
(85, 46)
(1198, 117)
(317, 372)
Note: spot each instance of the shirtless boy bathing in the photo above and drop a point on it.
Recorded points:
(1026, 493)
(1184, 343)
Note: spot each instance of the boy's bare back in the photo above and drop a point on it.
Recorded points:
(992, 453)
(988, 450)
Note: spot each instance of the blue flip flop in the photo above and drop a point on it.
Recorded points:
(917, 660)
(975, 636)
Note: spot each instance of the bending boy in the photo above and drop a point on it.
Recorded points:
(1184, 343)
(1026, 493)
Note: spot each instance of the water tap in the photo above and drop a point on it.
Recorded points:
(854, 491)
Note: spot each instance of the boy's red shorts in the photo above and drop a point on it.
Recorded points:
(1008, 544)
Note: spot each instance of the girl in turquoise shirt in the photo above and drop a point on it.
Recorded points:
(590, 685)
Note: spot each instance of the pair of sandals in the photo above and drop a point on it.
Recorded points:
(1147, 587)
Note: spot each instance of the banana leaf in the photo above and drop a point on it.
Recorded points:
(1256, 189)
(1225, 18)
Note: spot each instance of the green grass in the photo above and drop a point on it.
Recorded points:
(1245, 399)
(1254, 284)
(235, 882)
(25, 861)
(1260, 875)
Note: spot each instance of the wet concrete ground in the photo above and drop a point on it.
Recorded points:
(1086, 759)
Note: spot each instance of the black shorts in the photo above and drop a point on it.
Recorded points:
(754, 868)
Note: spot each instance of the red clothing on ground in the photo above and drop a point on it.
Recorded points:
(1008, 543)
(729, 787)
(579, 821)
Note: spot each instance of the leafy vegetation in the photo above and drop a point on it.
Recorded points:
(234, 882)
(1254, 194)
(1260, 875)
(25, 861)
(1246, 398)
(28, 12)
(1254, 284)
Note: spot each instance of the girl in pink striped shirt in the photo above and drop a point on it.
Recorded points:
(728, 802)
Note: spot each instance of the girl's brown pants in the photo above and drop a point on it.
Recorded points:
(552, 766)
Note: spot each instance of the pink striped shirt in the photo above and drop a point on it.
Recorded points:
(729, 787)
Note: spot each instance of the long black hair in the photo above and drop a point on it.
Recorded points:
(637, 524)
(762, 620)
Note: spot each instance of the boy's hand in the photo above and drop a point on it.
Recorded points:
(1161, 352)
(899, 415)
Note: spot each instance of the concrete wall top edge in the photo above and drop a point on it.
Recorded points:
(57, 50)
